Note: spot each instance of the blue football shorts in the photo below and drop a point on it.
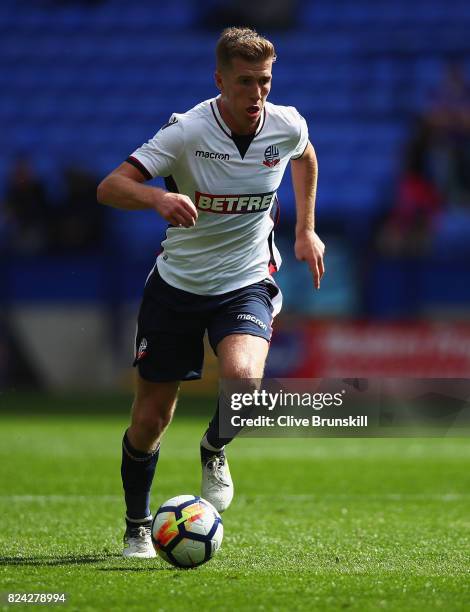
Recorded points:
(169, 343)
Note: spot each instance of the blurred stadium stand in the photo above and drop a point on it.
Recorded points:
(85, 84)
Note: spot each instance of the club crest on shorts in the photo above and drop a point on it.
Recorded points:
(271, 156)
(142, 351)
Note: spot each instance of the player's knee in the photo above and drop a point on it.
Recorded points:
(151, 423)
(242, 357)
(245, 370)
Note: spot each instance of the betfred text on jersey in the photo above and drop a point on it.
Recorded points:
(234, 204)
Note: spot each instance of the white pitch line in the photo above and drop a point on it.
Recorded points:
(369, 496)
(58, 498)
(244, 497)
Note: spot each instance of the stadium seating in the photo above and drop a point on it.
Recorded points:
(89, 83)
(355, 70)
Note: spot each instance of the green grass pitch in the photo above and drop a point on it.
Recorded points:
(316, 524)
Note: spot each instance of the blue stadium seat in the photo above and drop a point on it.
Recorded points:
(99, 80)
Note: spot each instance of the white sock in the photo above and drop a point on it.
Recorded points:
(208, 446)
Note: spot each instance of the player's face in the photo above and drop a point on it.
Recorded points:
(244, 88)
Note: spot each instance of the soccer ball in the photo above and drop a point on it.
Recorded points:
(187, 531)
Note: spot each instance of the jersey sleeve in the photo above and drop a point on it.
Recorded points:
(301, 141)
(158, 156)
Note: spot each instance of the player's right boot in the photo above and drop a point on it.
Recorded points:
(217, 484)
(138, 540)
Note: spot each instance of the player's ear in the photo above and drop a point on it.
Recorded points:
(218, 80)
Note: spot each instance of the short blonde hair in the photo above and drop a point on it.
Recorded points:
(244, 43)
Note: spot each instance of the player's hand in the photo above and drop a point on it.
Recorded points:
(177, 209)
(309, 248)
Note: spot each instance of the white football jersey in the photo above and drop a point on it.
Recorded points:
(232, 242)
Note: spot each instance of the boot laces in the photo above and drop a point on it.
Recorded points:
(215, 466)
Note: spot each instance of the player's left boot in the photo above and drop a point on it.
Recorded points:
(217, 485)
(138, 540)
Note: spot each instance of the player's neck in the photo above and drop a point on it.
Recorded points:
(230, 121)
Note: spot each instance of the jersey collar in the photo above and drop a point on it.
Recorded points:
(224, 127)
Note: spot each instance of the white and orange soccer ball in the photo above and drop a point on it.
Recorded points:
(187, 531)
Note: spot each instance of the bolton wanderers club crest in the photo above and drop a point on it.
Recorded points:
(142, 352)
(271, 156)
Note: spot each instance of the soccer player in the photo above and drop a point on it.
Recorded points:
(223, 161)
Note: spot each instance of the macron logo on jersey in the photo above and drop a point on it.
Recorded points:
(234, 204)
(212, 155)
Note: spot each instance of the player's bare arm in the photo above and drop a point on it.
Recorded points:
(308, 246)
(124, 188)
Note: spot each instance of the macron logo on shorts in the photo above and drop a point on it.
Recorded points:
(234, 204)
(249, 317)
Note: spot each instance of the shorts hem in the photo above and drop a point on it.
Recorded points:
(238, 333)
(166, 378)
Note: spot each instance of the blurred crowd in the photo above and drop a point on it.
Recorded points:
(435, 179)
(37, 222)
